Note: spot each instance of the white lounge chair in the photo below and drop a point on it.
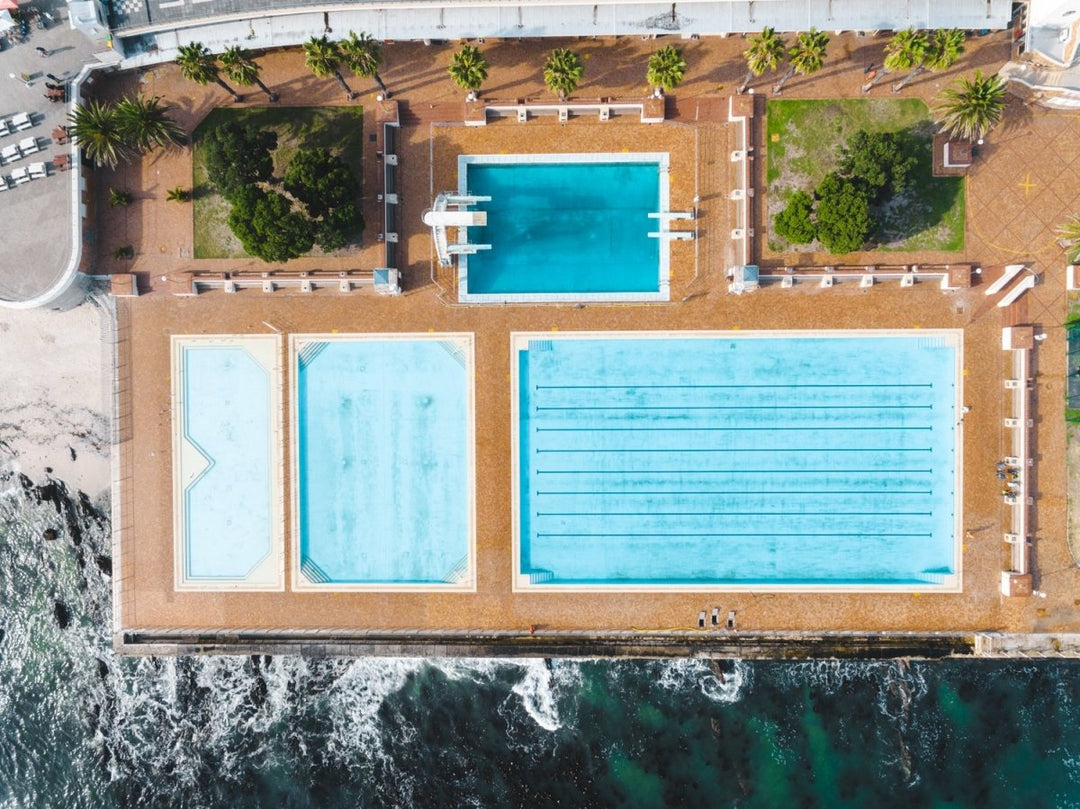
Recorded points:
(38, 171)
(9, 154)
(3, 183)
(5, 128)
(28, 146)
(21, 121)
(20, 176)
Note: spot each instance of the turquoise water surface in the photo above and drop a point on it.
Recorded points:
(383, 475)
(727, 460)
(568, 227)
(226, 415)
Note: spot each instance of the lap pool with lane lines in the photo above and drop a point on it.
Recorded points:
(737, 460)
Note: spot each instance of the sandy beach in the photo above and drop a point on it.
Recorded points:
(55, 376)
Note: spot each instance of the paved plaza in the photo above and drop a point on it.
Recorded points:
(1022, 185)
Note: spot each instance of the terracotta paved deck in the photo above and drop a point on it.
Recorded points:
(1009, 218)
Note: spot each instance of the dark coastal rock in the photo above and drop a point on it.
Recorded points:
(62, 614)
(49, 534)
(104, 564)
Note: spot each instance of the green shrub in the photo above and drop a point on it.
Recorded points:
(796, 223)
(119, 198)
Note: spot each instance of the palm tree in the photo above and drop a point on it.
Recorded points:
(241, 67)
(96, 130)
(197, 64)
(363, 55)
(942, 51)
(1070, 238)
(904, 50)
(806, 56)
(323, 58)
(562, 72)
(145, 123)
(666, 68)
(765, 51)
(469, 69)
(972, 107)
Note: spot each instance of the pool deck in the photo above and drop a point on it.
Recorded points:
(1013, 203)
(149, 600)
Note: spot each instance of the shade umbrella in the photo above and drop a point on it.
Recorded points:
(6, 22)
(8, 5)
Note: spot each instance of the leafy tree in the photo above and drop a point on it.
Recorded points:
(795, 223)
(765, 51)
(363, 55)
(806, 56)
(335, 229)
(240, 66)
(972, 107)
(666, 68)
(324, 58)
(941, 52)
(883, 161)
(145, 123)
(197, 64)
(843, 214)
(468, 68)
(97, 131)
(239, 156)
(563, 71)
(321, 181)
(267, 226)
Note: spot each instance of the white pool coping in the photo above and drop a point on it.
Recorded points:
(189, 463)
(952, 583)
(663, 292)
(467, 581)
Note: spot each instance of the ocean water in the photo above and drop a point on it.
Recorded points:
(80, 727)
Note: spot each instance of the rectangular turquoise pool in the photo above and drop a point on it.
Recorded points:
(566, 227)
(383, 461)
(737, 460)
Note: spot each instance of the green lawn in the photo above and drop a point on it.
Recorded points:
(340, 129)
(802, 138)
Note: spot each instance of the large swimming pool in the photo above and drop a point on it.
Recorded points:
(737, 460)
(566, 227)
(383, 461)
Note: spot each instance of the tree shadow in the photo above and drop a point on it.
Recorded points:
(927, 201)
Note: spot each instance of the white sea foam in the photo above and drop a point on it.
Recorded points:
(719, 681)
(537, 693)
